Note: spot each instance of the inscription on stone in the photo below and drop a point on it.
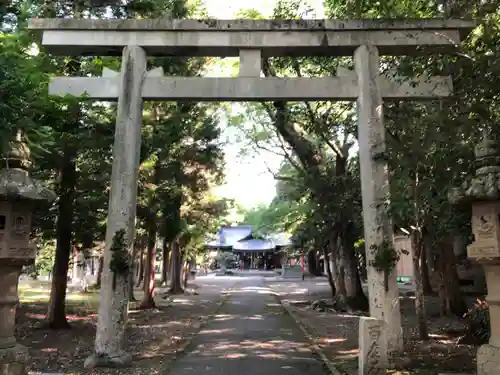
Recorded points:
(373, 355)
(373, 347)
(483, 251)
(24, 252)
(484, 226)
(18, 253)
(488, 360)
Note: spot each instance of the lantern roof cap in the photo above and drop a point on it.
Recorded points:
(15, 181)
(485, 184)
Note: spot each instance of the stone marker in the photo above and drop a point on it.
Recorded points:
(372, 359)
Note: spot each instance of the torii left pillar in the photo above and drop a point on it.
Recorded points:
(113, 305)
(381, 336)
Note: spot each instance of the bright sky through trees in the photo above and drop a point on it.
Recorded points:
(248, 179)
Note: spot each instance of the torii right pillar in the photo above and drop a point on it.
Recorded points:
(384, 332)
(482, 191)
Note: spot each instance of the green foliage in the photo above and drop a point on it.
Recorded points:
(279, 216)
(24, 107)
(120, 263)
(45, 258)
(430, 144)
(120, 258)
(386, 258)
(478, 318)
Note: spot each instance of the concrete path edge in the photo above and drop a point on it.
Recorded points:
(305, 330)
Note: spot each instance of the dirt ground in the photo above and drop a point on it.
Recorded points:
(337, 334)
(154, 335)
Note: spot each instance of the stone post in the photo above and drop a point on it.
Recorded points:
(483, 192)
(384, 305)
(113, 307)
(18, 191)
(250, 63)
(372, 357)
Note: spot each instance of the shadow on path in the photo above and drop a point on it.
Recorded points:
(250, 335)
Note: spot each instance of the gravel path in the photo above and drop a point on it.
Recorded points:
(250, 335)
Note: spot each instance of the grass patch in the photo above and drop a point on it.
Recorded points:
(41, 294)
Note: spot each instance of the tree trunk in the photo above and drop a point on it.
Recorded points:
(312, 266)
(165, 262)
(186, 274)
(99, 272)
(319, 269)
(426, 280)
(148, 301)
(338, 269)
(338, 273)
(64, 233)
(140, 276)
(329, 275)
(459, 248)
(131, 275)
(418, 249)
(137, 262)
(453, 294)
(362, 269)
(355, 294)
(170, 263)
(175, 279)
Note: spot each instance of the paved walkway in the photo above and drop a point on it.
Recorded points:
(251, 335)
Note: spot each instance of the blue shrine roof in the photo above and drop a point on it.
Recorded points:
(254, 245)
(228, 236)
(240, 238)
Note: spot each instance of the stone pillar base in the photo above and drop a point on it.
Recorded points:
(14, 360)
(488, 360)
(118, 360)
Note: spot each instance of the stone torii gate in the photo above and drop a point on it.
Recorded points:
(251, 41)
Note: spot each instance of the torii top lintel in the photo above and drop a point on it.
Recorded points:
(205, 37)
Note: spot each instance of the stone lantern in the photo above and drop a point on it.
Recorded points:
(18, 192)
(483, 193)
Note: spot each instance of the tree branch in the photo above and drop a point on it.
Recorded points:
(279, 177)
(309, 158)
(314, 119)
